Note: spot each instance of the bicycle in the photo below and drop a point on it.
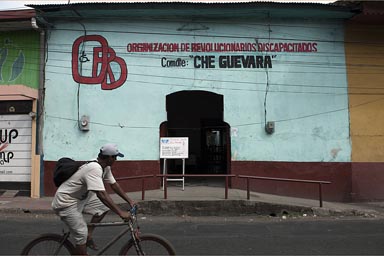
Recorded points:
(147, 244)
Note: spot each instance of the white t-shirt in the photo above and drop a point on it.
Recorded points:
(88, 178)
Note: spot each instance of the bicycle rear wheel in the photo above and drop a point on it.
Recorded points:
(48, 244)
(150, 244)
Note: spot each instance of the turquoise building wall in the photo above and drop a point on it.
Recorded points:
(301, 80)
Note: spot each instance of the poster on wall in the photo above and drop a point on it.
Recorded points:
(174, 147)
(19, 58)
(15, 148)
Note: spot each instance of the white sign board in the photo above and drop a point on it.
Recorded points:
(174, 147)
(15, 148)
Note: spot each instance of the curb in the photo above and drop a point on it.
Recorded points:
(347, 213)
(225, 208)
(229, 208)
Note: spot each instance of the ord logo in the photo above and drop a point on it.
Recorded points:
(104, 66)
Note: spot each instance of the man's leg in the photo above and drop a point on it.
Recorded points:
(95, 219)
(77, 226)
(98, 211)
(81, 249)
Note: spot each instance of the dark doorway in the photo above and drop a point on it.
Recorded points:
(198, 115)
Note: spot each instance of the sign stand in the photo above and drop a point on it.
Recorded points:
(173, 148)
(168, 179)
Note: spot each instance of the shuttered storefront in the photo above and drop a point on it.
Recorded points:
(15, 141)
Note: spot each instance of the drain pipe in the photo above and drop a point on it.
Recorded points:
(41, 82)
(37, 151)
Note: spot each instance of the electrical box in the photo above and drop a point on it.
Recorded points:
(270, 127)
(84, 123)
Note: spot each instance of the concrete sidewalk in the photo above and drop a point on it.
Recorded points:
(203, 200)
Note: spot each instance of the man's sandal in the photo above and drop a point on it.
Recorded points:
(91, 244)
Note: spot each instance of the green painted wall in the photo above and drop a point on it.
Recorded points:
(19, 58)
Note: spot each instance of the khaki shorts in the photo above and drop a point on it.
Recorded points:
(73, 217)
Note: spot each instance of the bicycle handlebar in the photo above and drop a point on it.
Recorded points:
(133, 210)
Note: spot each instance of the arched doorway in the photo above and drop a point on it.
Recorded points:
(198, 115)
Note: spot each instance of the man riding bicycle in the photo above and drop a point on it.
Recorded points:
(84, 192)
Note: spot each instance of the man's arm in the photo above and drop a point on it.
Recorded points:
(118, 190)
(107, 200)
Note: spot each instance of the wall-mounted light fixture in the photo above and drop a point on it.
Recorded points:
(11, 109)
(32, 114)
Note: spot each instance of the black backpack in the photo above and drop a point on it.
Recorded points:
(64, 169)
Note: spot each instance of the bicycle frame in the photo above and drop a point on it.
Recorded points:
(65, 237)
(134, 234)
(130, 228)
(153, 244)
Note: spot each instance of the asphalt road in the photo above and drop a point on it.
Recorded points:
(225, 236)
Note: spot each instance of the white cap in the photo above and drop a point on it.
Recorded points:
(110, 150)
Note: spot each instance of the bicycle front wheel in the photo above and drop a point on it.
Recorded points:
(49, 244)
(150, 244)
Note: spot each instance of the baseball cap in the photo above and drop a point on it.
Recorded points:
(110, 149)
